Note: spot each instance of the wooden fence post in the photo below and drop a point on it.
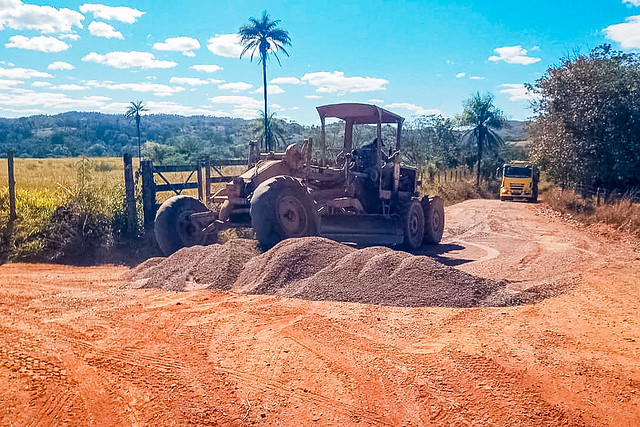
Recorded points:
(199, 176)
(12, 188)
(148, 197)
(130, 197)
(207, 180)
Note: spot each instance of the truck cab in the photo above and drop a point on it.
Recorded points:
(519, 181)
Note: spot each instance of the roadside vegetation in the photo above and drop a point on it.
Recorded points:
(585, 134)
(72, 217)
(622, 214)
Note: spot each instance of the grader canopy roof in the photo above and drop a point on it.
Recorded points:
(359, 113)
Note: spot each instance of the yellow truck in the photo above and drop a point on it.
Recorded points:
(519, 181)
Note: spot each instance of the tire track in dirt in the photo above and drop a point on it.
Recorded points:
(53, 393)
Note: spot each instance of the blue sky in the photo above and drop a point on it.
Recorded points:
(412, 57)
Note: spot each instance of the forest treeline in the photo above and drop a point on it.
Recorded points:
(167, 138)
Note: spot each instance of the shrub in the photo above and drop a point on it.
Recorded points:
(454, 191)
(622, 214)
(77, 224)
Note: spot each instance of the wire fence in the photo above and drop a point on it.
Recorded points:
(603, 196)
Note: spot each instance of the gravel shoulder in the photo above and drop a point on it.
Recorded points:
(83, 346)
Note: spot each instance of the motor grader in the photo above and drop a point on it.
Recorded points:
(365, 196)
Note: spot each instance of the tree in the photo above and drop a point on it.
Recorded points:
(483, 117)
(274, 130)
(134, 111)
(587, 124)
(262, 36)
(430, 141)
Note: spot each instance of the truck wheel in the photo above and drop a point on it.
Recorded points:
(413, 226)
(172, 227)
(281, 207)
(433, 208)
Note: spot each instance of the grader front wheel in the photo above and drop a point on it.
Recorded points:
(433, 208)
(172, 227)
(414, 226)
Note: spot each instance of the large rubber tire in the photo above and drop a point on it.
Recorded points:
(433, 208)
(281, 207)
(413, 226)
(172, 227)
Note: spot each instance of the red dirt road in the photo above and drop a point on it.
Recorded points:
(78, 347)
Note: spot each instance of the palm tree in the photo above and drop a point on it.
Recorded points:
(274, 129)
(262, 36)
(134, 111)
(483, 117)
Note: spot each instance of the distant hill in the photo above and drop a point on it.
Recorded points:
(515, 130)
(97, 134)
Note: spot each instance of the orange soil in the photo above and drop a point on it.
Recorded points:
(78, 347)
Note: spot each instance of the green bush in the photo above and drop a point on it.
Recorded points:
(80, 224)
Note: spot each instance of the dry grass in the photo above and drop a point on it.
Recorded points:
(623, 215)
(55, 173)
(463, 189)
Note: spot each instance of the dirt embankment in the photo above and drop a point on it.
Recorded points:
(421, 343)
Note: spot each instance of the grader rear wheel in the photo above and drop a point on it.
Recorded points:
(281, 207)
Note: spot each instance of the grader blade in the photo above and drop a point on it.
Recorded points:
(362, 229)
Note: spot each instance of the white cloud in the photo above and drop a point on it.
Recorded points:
(513, 55)
(375, 101)
(155, 88)
(271, 89)
(120, 13)
(69, 87)
(242, 106)
(40, 84)
(23, 73)
(477, 78)
(183, 110)
(52, 101)
(335, 81)
(313, 96)
(632, 2)
(460, 75)
(517, 92)
(210, 68)
(60, 65)
(235, 86)
(179, 44)
(102, 29)
(19, 16)
(191, 81)
(415, 109)
(131, 59)
(285, 81)
(39, 43)
(70, 36)
(227, 45)
(8, 84)
(627, 33)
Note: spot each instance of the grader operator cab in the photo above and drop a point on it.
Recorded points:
(368, 198)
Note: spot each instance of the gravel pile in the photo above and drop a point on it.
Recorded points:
(289, 261)
(315, 268)
(196, 267)
(375, 275)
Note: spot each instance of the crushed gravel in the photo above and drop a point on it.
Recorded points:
(196, 267)
(315, 268)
